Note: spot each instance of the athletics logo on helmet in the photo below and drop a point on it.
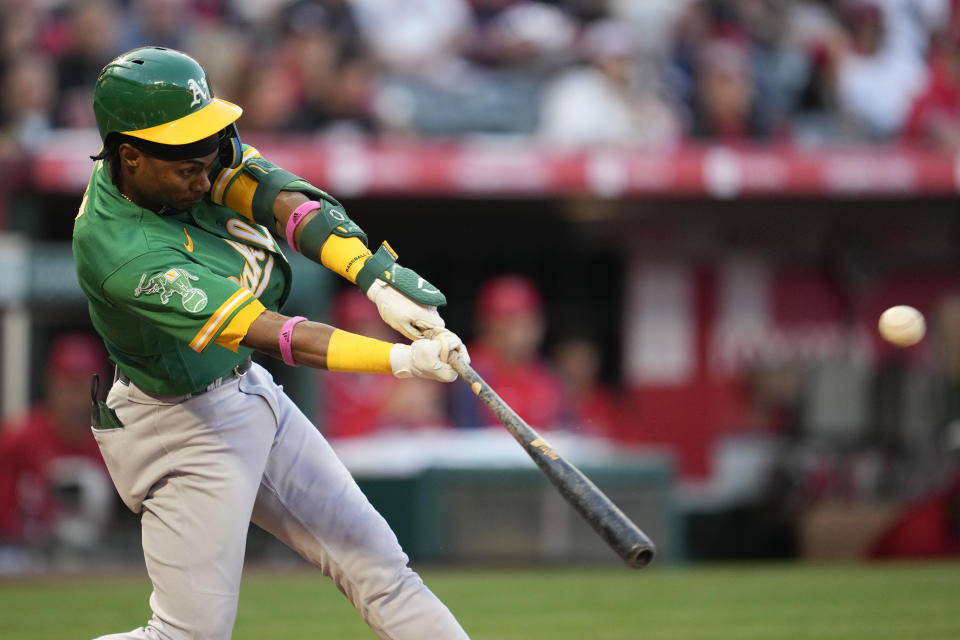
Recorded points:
(199, 90)
(159, 95)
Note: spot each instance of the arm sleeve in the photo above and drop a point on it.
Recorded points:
(183, 299)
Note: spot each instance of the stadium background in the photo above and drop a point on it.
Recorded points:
(720, 195)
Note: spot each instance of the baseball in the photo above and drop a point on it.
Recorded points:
(902, 325)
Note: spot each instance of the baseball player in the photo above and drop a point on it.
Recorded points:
(175, 251)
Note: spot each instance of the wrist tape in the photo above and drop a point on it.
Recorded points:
(358, 354)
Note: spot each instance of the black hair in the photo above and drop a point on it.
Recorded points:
(110, 153)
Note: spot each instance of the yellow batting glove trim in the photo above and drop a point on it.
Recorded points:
(345, 256)
(236, 330)
(358, 354)
(218, 318)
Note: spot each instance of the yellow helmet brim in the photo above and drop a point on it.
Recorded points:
(200, 124)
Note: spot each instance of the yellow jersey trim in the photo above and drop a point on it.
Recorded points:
(237, 328)
(239, 195)
(219, 317)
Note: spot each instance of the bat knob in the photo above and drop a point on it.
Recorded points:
(640, 556)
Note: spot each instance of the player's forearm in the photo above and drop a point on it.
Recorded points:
(310, 348)
(317, 345)
(300, 342)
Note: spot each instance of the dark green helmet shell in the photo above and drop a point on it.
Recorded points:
(160, 95)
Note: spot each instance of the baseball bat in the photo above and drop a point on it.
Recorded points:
(616, 529)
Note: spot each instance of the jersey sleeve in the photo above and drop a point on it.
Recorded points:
(183, 299)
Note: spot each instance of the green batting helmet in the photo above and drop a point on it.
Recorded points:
(160, 95)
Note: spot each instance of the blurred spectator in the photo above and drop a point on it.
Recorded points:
(321, 43)
(506, 353)
(652, 20)
(817, 31)
(272, 98)
(357, 404)
(26, 104)
(726, 104)
(54, 489)
(616, 99)
(934, 118)
(781, 67)
(879, 74)
(414, 36)
(594, 409)
(164, 23)
(21, 22)
(524, 34)
(92, 38)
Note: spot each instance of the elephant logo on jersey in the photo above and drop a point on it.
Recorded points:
(170, 282)
(199, 90)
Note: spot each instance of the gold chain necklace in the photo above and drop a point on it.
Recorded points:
(125, 197)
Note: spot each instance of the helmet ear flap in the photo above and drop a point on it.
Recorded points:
(231, 151)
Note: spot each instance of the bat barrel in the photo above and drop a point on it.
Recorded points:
(610, 523)
(616, 529)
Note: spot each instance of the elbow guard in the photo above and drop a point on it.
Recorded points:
(331, 218)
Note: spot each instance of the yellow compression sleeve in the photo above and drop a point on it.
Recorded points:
(345, 256)
(358, 354)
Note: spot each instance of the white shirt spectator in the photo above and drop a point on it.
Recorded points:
(878, 90)
(612, 101)
(413, 35)
(877, 87)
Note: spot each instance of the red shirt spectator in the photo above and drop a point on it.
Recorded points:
(506, 354)
(594, 408)
(44, 449)
(934, 118)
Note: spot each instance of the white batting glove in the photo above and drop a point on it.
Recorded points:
(410, 318)
(452, 342)
(426, 358)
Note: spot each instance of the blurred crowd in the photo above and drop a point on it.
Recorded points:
(564, 72)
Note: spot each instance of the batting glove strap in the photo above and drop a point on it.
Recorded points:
(382, 265)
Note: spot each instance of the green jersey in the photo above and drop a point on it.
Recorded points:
(172, 296)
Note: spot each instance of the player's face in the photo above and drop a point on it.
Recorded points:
(163, 185)
(178, 185)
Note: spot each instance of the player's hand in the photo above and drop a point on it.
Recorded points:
(426, 358)
(452, 344)
(410, 318)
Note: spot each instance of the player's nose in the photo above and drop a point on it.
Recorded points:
(202, 183)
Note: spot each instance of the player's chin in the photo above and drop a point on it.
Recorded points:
(185, 203)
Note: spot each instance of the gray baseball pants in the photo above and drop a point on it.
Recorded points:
(200, 468)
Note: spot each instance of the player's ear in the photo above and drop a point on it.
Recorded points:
(130, 156)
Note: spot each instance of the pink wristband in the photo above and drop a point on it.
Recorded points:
(286, 339)
(298, 214)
